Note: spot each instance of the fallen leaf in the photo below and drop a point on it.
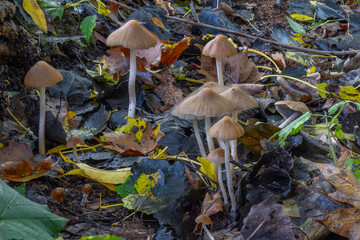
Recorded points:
(211, 205)
(173, 51)
(16, 152)
(167, 90)
(295, 92)
(36, 13)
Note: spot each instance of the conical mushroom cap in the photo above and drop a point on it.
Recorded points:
(217, 156)
(204, 219)
(240, 99)
(74, 141)
(42, 75)
(132, 35)
(206, 103)
(219, 47)
(213, 86)
(226, 129)
(287, 108)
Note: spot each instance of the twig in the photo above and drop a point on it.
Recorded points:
(257, 229)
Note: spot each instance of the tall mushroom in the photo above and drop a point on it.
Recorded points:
(290, 110)
(227, 129)
(218, 48)
(42, 75)
(134, 36)
(218, 156)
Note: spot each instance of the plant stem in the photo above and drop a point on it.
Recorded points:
(219, 71)
(42, 121)
(330, 143)
(132, 77)
(198, 138)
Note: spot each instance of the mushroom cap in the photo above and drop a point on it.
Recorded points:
(226, 129)
(217, 155)
(204, 219)
(58, 195)
(240, 99)
(42, 75)
(87, 189)
(213, 86)
(287, 108)
(205, 103)
(219, 47)
(132, 35)
(73, 141)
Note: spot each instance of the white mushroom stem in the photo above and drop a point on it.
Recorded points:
(221, 184)
(289, 120)
(132, 77)
(208, 232)
(233, 145)
(76, 157)
(42, 121)
(211, 146)
(198, 138)
(219, 71)
(229, 178)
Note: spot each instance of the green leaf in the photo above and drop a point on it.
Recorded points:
(291, 129)
(295, 26)
(24, 219)
(335, 107)
(339, 133)
(52, 8)
(354, 165)
(321, 86)
(87, 25)
(21, 189)
(125, 189)
(107, 237)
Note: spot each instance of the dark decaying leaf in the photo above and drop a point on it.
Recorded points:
(217, 19)
(294, 92)
(265, 221)
(167, 90)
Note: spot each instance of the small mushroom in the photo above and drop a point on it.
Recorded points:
(290, 110)
(86, 189)
(205, 220)
(218, 48)
(134, 36)
(218, 156)
(225, 130)
(58, 195)
(42, 75)
(72, 143)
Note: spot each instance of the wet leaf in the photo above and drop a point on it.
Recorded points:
(87, 25)
(36, 13)
(54, 10)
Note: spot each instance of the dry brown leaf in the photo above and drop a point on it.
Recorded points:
(151, 55)
(173, 52)
(279, 59)
(345, 222)
(166, 5)
(193, 182)
(294, 91)
(16, 152)
(346, 184)
(167, 90)
(210, 206)
(252, 89)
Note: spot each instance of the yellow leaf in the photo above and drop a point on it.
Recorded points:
(36, 13)
(310, 70)
(207, 168)
(57, 149)
(349, 93)
(145, 182)
(157, 22)
(1, 145)
(102, 8)
(133, 122)
(302, 18)
(27, 178)
(70, 115)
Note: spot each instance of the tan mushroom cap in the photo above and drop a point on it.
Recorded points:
(74, 141)
(240, 99)
(219, 47)
(42, 75)
(213, 86)
(287, 108)
(204, 219)
(132, 35)
(217, 156)
(205, 103)
(226, 129)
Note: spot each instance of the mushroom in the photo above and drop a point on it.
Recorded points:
(227, 129)
(242, 102)
(218, 156)
(213, 86)
(72, 143)
(42, 75)
(218, 48)
(290, 110)
(86, 189)
(58, 195)
(134, 36)
(206, 104)
(205, 220)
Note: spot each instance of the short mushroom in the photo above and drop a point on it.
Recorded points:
(218, 48)
(290, 110)
(205, 220)
(42, 75)
(86, 189)
(227, 129)
(218, 156)
(58, 195)
(72, 143)
(134, 36)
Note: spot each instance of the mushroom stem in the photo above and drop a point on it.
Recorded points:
(132, 77)
(76, 157)
(42, 121)
(211, 146)
(233, 145)
(222, 187)
(208, 232)
(219, 71)
(198, 138)
(289, 120)
(229, 178)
